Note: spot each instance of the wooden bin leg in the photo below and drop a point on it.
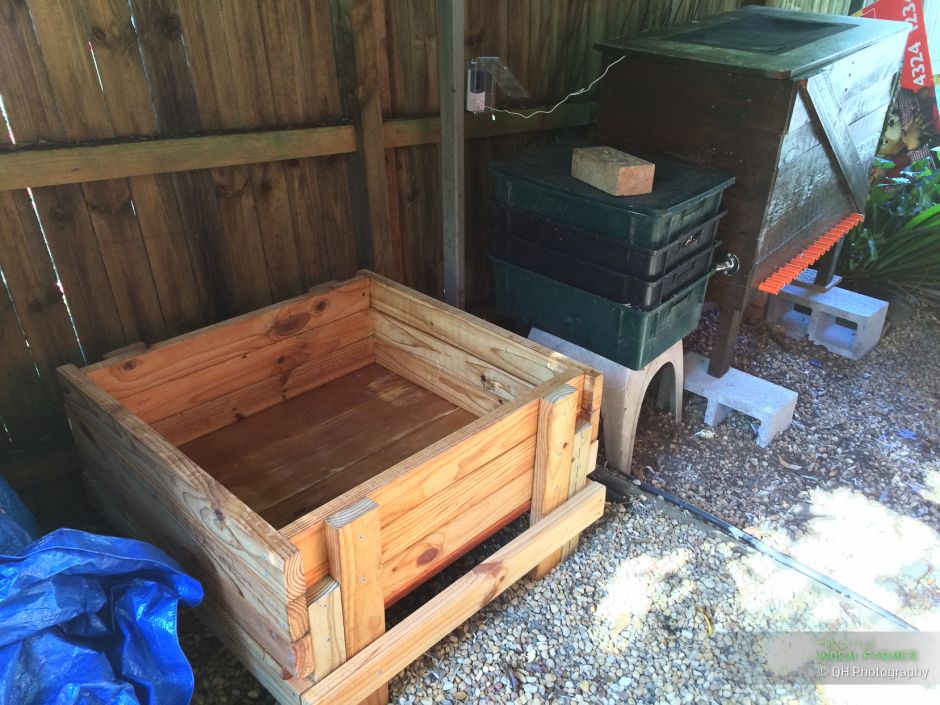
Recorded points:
(583, 461)
(354, 550)
(554, 447)
(325, 610)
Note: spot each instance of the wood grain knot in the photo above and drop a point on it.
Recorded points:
(129, 365)
(321, 306)
(428, 555)
(291, 325)
(171, 26)
(61, 212)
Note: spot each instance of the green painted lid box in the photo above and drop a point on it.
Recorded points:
(619, 332)
(540, 181)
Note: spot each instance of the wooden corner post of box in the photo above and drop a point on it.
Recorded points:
(583, 462)
(354, 550)
(554, 445)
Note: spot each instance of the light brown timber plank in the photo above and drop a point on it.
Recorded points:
(255, 434)
(304, 453)
(467, 396)
(501, 348)
(353, 544)
(583, 460)
(222, 411)
(459, 498)
(325, 609)
(558, 414)
(507, 351)
(219, 342)
(451, 360)
(391, 653)
(308, 499)
(446, 537)
(278, 359)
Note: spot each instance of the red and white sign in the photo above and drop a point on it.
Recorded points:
(914, 122)
(916, 73)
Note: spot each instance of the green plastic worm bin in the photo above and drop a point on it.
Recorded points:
(683, 196)
(618, 332)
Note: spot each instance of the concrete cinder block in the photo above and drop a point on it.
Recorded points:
(782, 313)
(831, 309)
(769, 403)
(624, 390)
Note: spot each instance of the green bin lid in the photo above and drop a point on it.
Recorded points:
(761, 41)
(675, 184)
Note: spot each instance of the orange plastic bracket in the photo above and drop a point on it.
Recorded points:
(792, 269)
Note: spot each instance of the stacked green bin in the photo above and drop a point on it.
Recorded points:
(538, 186)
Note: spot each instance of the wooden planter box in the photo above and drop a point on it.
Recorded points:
(314, 461)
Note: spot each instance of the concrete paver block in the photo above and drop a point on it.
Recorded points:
(769, 403)
(624, 390)
(830, 310)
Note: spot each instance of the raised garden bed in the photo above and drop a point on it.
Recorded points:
(314, 461)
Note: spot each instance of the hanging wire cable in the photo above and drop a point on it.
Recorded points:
(580, 91)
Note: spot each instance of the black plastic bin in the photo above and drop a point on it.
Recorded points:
(684, 196)
(605, 282)
(598, 249)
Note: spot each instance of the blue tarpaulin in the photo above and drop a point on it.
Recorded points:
(87, 619)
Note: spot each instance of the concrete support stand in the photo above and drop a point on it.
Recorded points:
(844, 322)
(769, 403)
(624, 390)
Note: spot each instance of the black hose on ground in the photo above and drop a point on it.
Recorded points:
(621, 486)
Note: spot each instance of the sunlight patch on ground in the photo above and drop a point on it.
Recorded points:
(891, 559)
(931, 489)
(631, 590)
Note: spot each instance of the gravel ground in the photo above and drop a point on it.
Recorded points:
(853, 487)
(653, 608)
(657, 608)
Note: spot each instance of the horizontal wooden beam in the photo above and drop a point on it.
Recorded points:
(70, 165)
(409, 132)
(35, 167)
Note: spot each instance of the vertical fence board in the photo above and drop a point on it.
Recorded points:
(31, 106)
(211, 49)
(24, 408)
(119, 62)
(35, 291)
(196, 219)
(66, 39)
